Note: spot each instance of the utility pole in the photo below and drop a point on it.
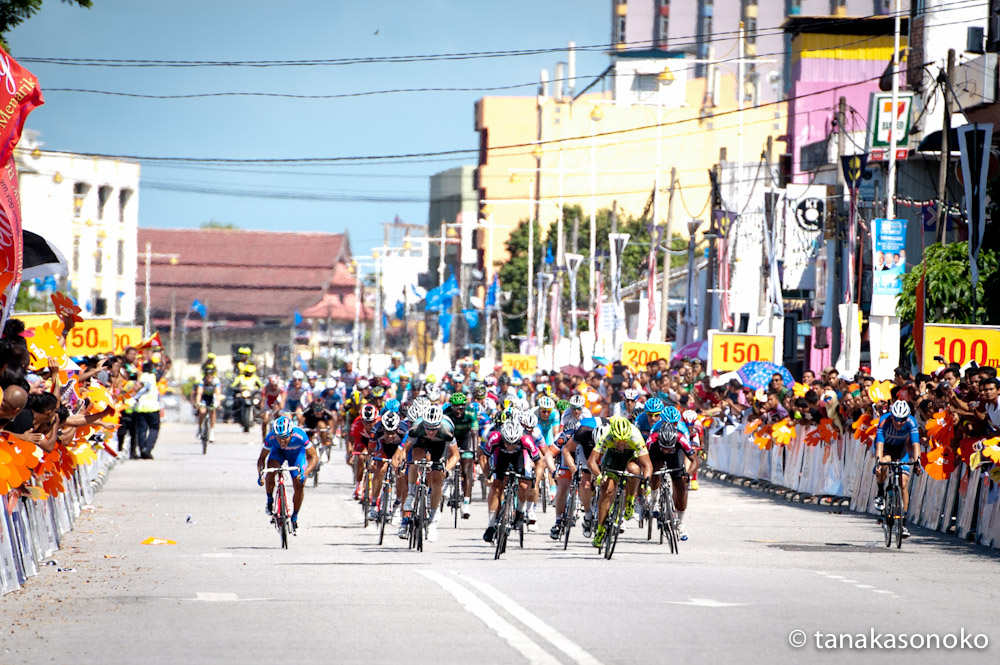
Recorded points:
(833, 299)
(665, 282)
(945, 79)
(713, 233)
(890, 188)
(173, 325)
(764, 263)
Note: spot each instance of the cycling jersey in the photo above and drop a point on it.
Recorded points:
(571, 417)
(647, 428)
(360, 436)
(387, 443)
(895, 437)
(463, 424)
(272, 394)
(293, 396)
(434, 444)
(294, 452)
(636, 444)
(251, 382)
(520, 461)
(547, 425)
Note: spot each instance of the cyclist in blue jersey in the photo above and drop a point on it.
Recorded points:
(898, 439)
(650, 420)
(548, 419)
(287, 443)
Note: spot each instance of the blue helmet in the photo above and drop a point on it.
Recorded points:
(282, 426)
(671, 414)
(391, 405)
(654, 405)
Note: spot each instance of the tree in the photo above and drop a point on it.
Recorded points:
(15, 12)
(213, 224)
(948, 290)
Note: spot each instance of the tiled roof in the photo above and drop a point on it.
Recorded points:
(242, 275)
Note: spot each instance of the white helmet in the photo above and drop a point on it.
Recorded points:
(433, 415)
(331, 384)
(631, 394)
(298, 374)
(576, 401)
(312, 375)
(415, 412)
(689, 415)
(390, 421)
(433, 392)
(546, 402)
(601, 431)
(361, 384)
(900, 409)
(511, 432)
(528, 419)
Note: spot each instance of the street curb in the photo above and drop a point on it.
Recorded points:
(790, 495)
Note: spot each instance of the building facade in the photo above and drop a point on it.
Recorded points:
(88, 207)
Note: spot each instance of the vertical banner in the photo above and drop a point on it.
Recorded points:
(974, 141)
(19, 95)
(888, 264)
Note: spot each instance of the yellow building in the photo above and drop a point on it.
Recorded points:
(601, 149)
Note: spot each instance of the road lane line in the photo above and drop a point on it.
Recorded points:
(514, 637)
(550, 634)
(215, 597)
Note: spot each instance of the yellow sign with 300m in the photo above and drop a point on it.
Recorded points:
(730, 351)
(524, 364)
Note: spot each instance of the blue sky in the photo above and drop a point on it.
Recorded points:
(252, 127)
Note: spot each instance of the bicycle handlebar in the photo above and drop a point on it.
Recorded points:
(897, 463)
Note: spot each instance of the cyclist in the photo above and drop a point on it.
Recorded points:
(897, 440)
(576, 412)
(627, 407)
(696, 435)
(669, 446)
(467, 435)
(361, 434)
(378, 395)
(287, 443)
(650, 420)
(548, 419)
(207, 398)
(295, 392)
(316, 418)
(389, 434)
(428, 440)
(273, 399)
(621, 449)
(576, 451)
(529, 422)
(509, 449)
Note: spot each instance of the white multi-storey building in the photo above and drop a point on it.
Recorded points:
(88, 208)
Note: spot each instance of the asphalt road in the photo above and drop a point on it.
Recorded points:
(755, 570)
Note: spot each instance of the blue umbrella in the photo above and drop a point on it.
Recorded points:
(758, 374)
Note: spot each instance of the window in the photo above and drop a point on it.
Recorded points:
(918, 9)
(619, 11)
(103, 194)
(80, 190)
(123, 198)
(645, 87)
(99, 258)
(663, 24)
(76, 253)
(121, 257)
(118, 303)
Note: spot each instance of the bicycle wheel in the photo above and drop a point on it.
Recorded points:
(422, 511)
(647, 508)
(203, 435)
(366, 494)
(520, 526)
(887, 512)
(569, 516)
(383, 514)
(281, 516)
(503, 525)
(456, 494)
(612, 523)
(544, 491)
(900, 517)
(672, 535)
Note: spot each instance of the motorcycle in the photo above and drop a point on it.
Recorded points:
(246, 407)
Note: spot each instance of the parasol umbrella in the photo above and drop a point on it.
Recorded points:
(573, 370)
(697, 349)
(757, 374)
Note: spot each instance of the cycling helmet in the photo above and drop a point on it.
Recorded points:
(282, 426)
(331, 384)
(458, 399)
(479, 392)
(547, 403)
(900, 409)
(562, 404)
(396, 355)
(433, 415)
(511, 432)
(630, 394)
(477, 408)
(433, 392)
(361, 384)
(490, 380)
(601, 431)
(620, 428)
(671, 414)
(378, 391)
(522, 404)
(312, 375)
(297, 374)
(689, 415)
(273, 379)
(392, 406)
(390, 421)
(503, 380)
(249, 368)
(576, 401)
(415, 412)
(421, 401)
(654, 405)
(528, 419)
(458, 378)
(369, 413)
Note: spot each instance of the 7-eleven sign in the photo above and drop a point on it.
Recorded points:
(883, 120)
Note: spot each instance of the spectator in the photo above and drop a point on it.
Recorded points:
(146, 414)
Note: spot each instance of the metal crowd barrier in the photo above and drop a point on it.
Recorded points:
(966, 504)
(32, 531)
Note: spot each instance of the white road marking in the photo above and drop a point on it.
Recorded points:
(550, 634)
(704, 602)
(213, 597)
(514, 637)
(218, 555)
(841, 578)
(848, 581)
(864, 586)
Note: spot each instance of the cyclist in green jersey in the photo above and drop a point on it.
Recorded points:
(467, 436)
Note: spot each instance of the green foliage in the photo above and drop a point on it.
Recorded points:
(29, 300)
(948, 289)
(213, 224)
(15, 12)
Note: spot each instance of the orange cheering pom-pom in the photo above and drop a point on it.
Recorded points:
(939, 463)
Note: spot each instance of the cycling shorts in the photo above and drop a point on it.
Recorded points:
(208, 400)
(360, 445)
(433, 448)
(672, 458)
(386, 450)
(518, 462)
(294, 457)
(616, 461)
(292, 404)
(466, 444)
(896, 454)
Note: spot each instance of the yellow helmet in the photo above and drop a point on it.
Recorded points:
(621, 428)
(249, 368)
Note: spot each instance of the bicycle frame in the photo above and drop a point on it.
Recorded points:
(282, 516)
